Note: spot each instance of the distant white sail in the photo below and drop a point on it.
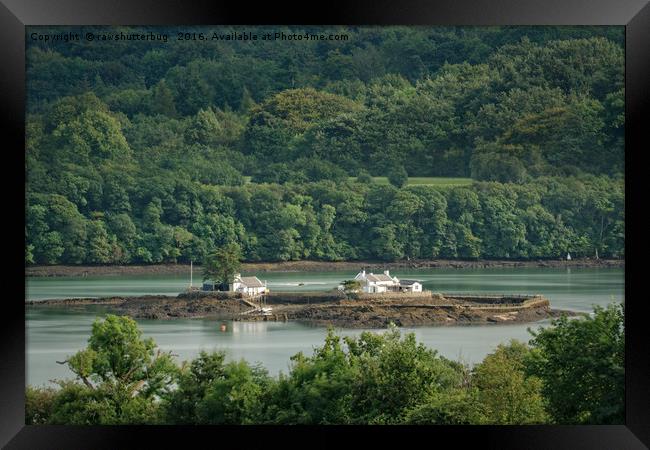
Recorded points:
(568, 256)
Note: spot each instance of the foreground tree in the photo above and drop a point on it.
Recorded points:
(459, 406)
(395, 374)
(121, 375)
(317, 389)
(193, 381)
(236, 398)
(506, 394)
(211, 391)
(581, 364)
(38, 404)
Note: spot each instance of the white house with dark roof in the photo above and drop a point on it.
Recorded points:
(376, 283)
(244, 285)
(410, 286)
(248, 285)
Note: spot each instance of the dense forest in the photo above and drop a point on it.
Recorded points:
(157, 152)
(374, 378)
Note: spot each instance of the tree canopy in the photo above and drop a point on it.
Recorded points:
(221, 265)
(155, 153)
(122, 376)
(582, 366)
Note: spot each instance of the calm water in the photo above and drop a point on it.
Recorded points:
(55, 334)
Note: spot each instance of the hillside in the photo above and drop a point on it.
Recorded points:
(395, 143)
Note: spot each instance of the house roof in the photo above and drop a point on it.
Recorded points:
(408, 282)
(378, 277)
(251, 282)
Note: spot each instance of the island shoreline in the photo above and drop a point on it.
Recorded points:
(327, 308)
(318, 266)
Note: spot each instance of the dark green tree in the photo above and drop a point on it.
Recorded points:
(222, 264)
(351, 288)
(581, 365)
(194, 379)
(397, 176)
(506, 394)
(122, 375)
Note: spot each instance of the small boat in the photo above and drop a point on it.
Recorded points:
(301, 284)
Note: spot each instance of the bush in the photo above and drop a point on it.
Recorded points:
(38, 405)
(398, 176)
(364, 177)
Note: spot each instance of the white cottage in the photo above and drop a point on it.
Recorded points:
(410, 286)
(248, 285)
(376, 283)
(245, 285)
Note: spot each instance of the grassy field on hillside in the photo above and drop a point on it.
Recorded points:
(432, 181)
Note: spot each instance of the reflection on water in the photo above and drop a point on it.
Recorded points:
(54, 334)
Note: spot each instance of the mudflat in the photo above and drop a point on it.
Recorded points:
(327, 308)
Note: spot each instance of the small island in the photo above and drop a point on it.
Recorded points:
(329, 308)
(367, 300)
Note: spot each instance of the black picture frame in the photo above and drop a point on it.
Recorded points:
(633, 14)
